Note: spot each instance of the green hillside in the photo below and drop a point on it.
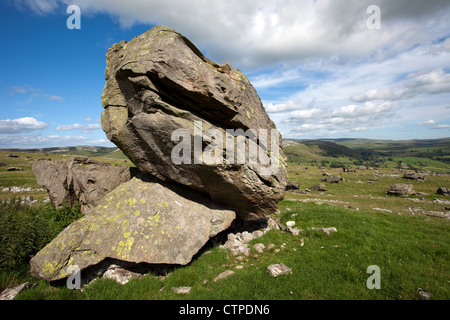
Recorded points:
(429, 155)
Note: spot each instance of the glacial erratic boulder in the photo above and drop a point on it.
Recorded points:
(333, 179)
(414, 176)
(141, 221)
(164, 99)
(78, 179)
(401, 189)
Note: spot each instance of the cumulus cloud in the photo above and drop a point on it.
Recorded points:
(88, 128)
(424, 82)
(40, 7)
(21, 125)
(282, 107)
(349, 118)
(252, 33)
(316, 64)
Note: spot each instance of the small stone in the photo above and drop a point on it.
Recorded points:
(182, 290)
(119, 274)
(302, 242)
(326, 230)
(223, 275)
(290, 224)
(11, 293)
(259, 247)
(295, 231)
(423, 294)
(257, 234)
(240, 249)
(276, 270)
(270, 246)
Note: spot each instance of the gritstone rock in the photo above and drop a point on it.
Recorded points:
(158, 83)
(276, 270)
(140, 222)
(401, 189)
(78, 179)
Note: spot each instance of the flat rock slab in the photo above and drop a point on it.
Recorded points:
(139, 221)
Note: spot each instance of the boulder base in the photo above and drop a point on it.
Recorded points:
(139, 221)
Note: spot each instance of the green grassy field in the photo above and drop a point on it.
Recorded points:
(411, 249)
(411, 252)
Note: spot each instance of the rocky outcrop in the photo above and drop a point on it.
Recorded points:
(414, 176)
(333, 179)
(141, 221)
(401, 189)
(443, 191)
(177, 116)
(78, 179)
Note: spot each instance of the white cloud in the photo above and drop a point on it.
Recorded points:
(427, 123)
(40, 7)
(35, 140)
(350, 118)
(21, 125)
(442, 126)
(282, 107)
(83, 128)
(252, 33)
(316, 65)
(424, 82)
(33, 92)
(56, 98)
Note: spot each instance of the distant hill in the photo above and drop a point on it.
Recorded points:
(426, 154)
(85, 151)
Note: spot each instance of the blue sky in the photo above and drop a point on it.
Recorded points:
(319, 70)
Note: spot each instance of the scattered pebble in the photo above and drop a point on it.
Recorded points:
(276, 270)
(182, 290)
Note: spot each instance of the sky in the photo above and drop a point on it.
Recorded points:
(322, 68)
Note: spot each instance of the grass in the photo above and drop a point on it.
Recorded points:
(412, 251)
(25, 230)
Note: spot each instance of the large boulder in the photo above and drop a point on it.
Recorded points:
(414, 176)
(78, 179)
(401, 189)
(177, 115)
(443, 191)
(141, 221)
